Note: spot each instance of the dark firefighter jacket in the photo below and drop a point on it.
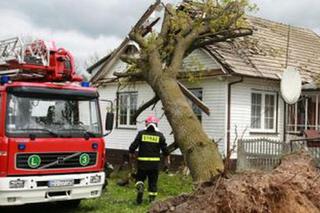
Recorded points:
(149, 143)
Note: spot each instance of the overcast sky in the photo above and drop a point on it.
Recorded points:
(88, 26)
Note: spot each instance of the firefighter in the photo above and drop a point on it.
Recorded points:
(149, 142)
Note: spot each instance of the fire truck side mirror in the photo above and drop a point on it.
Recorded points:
(109, 121)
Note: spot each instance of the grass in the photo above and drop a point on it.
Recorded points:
(116, 198)
(122, 199)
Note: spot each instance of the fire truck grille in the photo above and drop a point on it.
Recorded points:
(55, 160)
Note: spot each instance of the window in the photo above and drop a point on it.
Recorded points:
(304, 114)
(127, 107)
(52, 116)
(197, 111)
(263, 111)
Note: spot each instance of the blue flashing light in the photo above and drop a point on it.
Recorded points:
(4, 79)
(94, 146)
(85, 84)
(21, 147)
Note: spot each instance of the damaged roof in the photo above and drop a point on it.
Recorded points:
(264, 54)
(270, 48)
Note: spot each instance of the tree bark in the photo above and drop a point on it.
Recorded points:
(202, 155)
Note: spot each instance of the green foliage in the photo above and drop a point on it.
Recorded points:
(220, 14)
(200, 19)
(194, 77)
(151, 40)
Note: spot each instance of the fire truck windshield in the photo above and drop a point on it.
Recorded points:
(52, 117)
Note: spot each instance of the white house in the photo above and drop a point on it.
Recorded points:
(239, 81)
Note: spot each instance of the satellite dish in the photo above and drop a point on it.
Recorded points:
(290, 85)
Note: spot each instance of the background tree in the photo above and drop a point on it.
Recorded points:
(189, 26)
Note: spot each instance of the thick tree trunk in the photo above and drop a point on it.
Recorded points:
(202, 155)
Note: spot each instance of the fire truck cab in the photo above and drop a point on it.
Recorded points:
(51, 137)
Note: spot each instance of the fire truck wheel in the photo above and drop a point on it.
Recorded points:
(72, 204)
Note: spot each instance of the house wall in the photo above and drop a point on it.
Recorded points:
(241, 110)
(214, 96)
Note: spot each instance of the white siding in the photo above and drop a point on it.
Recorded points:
(118, 66)
(199, 60)
(95, 70)
(214, 95)
(241, 109)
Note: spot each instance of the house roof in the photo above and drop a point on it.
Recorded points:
(264, 54)
(104, 64)
(99, 62)
(272, 46)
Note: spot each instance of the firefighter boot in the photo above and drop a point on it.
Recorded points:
(152, 196)
(140, 189)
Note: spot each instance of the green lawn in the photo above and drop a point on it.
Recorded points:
(122, 199)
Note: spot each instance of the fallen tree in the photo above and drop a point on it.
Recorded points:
(185, 28)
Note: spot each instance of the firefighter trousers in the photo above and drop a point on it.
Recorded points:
(152, 176)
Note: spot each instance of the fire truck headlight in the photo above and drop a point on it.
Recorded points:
(95, 179)
(16, 184)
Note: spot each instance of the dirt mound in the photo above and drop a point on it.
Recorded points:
(294, 186)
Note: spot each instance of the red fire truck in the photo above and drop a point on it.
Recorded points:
(51, 140)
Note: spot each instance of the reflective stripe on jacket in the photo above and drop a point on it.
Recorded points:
(149, 144)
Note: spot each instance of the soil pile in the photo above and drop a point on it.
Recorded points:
(294, 186)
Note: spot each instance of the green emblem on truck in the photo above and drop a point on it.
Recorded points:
(34, 161)
(84, 159)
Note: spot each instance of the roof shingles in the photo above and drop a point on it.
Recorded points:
(264, 54)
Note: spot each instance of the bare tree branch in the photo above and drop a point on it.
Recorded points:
(143, 107)
(128, 74)
(129, 59)
(178, 55)
(172, 147)
(223, 36)
(148, 28)
(166, 21)
(137, 32)
(194, 99)
(137, 37)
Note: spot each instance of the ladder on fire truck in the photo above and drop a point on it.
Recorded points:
(35, 60)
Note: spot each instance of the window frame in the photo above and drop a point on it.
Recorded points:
(262, 128)
(127, 125)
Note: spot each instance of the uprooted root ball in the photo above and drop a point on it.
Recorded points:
(294, 186)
